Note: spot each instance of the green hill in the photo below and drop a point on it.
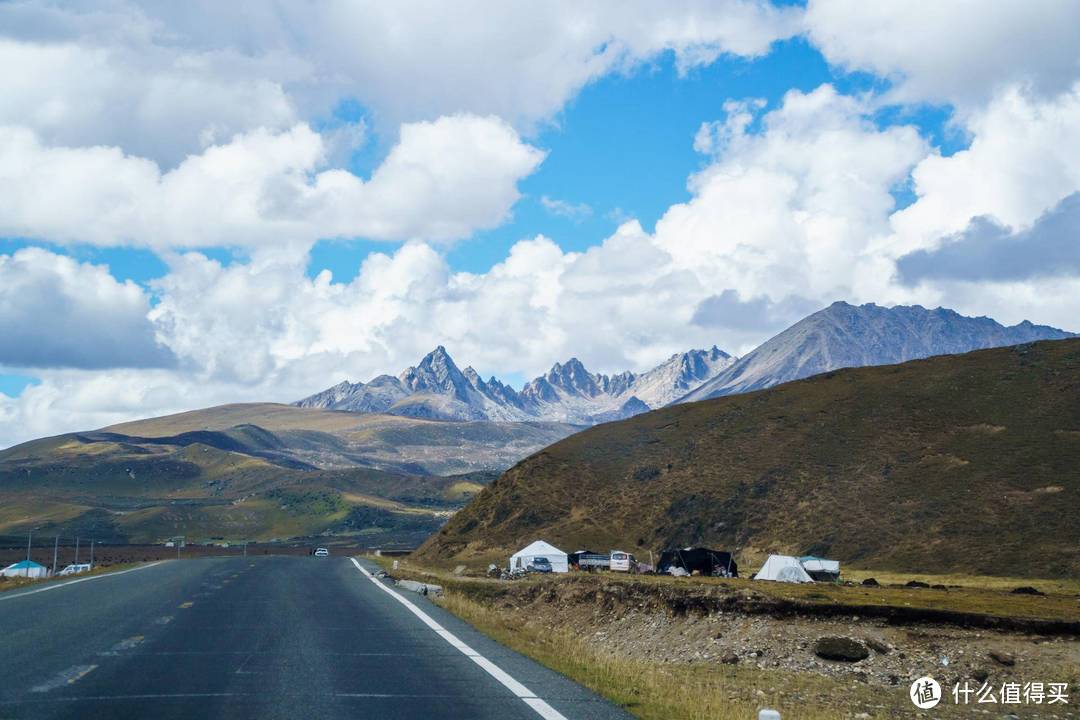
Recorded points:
(258, 471)
(963, 463)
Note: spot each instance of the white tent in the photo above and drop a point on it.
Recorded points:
(25, 568)
(783, 568)
(820, 568)
(524, 556)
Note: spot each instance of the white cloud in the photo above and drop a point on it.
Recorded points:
(56, 312)
(953, 51)
(790, 211)
(149, 102)
(443, 180)
(793, 214)
(162, 80)
(1021, 163)
(781, 220)
(1023, 159)
(562, 208)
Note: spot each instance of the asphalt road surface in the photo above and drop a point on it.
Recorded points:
(261, 637)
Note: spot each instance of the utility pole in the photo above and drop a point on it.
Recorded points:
(29, 535)
(55, 549)
(76, 549)
(91, 554)
(245, 548)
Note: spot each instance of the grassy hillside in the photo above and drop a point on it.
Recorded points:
(966, 463)
(258, 471)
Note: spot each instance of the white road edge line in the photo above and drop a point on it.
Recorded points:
(523, 693)
(54, 586)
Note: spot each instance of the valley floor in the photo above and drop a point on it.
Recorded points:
(697, 648)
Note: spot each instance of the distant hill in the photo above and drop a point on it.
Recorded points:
(258, 471)
(844, 335)
(326, 439)
(437, 389)
(960, 463)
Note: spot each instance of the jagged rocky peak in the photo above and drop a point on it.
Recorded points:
(474, 378)
(436, 373)
(574, 378)
(436, 388)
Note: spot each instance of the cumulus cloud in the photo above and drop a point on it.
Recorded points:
(56, 312)
(148, 101)
(779, 221)
(443, 180)
(182, 76)
(1022, 160)
(987, 250)
(952, 52)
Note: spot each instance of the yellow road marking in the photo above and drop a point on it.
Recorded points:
(185, 605)
(80, 674)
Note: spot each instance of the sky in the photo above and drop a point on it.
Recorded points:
(208, 202)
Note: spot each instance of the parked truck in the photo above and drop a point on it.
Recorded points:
(593, 561)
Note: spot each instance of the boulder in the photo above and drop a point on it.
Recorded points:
(729, 658)
(870, 582)
(1002, 658)
(916, 584)
(1027, 590)
(841, 649)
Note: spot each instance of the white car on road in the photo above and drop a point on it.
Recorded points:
(321, 552)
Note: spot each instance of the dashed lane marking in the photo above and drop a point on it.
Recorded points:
(69, 677)
(523, 693)
(185, 605)
(124, 645)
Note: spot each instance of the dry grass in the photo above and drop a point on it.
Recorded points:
(655, 689)
(1056, 586)
(670, 691)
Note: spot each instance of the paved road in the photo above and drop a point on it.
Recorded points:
(261, 637)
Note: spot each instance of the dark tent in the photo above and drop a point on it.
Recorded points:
(703, 560)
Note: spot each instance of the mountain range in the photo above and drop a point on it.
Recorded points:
(839, 336)
(437, 389)
(413, 446)
(844, 335)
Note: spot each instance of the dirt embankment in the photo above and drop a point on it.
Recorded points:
(679, 623)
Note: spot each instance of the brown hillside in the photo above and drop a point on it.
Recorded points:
(963, 463)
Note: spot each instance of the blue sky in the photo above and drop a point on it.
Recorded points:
(503, 149)
(623, 147)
